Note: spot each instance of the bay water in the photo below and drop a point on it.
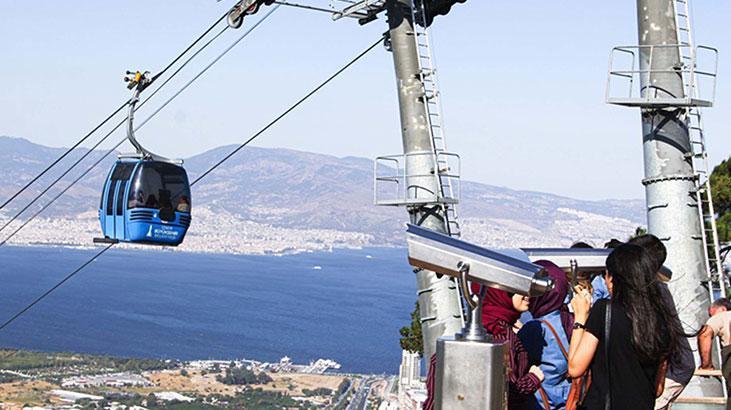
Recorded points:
(345, 305)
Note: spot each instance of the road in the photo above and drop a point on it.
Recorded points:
(360, 397)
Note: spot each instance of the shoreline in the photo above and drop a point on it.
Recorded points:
(152, 248)
(169, 360)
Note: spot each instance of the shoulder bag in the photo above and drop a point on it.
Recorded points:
(544, 396)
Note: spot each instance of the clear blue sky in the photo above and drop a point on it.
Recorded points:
(523, 84)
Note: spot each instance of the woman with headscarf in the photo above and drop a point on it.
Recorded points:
(500, 312)
(546, 339)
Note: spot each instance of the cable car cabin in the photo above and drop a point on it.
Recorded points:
(145, 201)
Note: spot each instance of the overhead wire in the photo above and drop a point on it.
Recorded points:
(287, 111)
(115, 112)
(91, 150)
(56, 286)
(199, 178)
(157, 111)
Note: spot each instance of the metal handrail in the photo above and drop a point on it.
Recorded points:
(688, 70)
(396, 172)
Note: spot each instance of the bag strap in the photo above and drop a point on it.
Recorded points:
(544, 396)
(558, 339)
(607, 333)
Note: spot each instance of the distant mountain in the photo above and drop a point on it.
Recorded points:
(300, 190)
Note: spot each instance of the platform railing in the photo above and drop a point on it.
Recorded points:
(633, 68)
(395, 185)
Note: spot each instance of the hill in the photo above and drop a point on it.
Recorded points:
(283, 197)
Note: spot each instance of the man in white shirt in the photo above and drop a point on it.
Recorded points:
(718, 325)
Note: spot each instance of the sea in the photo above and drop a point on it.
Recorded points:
(344, 305)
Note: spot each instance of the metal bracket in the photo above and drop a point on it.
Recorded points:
(473, 330)
(139, 81)
(657, 206)
(363, 9)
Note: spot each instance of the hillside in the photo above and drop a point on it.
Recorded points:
(273, 194)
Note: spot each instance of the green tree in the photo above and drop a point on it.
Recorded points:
(721, 189)
(242, 376)
(639, 231)
(411, 338)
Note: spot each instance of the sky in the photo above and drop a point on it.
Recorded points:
(523, 84)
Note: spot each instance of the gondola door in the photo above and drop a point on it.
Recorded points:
(114, 200)
(119, 228)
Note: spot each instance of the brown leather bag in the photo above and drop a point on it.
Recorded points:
(579, 388)
(660, 378)
(544, 396)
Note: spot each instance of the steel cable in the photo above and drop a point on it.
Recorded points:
(78, 161)
(288, 110)
(56, 286)
(168, 101)
(95, 129)
(216, 165)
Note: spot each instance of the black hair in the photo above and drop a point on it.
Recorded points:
(613, 243)
(581, 245)
(656, 332)
(722, 302)
(653, 246)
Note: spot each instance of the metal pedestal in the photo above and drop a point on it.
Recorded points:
(470, 375)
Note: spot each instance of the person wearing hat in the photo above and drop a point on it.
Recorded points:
(680, 366)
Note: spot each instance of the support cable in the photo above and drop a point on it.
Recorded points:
(49, 203)
(287, 111)
(91, 150)
(157, 111)
(95, 129)
(216, 165)
(56, 286)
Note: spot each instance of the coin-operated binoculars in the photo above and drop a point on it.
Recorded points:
(572, 260)
(470, 367)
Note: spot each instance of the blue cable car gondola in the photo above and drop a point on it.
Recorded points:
(146, 198)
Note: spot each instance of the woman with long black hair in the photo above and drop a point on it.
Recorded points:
(624, 339)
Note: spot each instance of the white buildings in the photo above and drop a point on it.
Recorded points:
(409, 373)
(109, 380)
(411, 390)
(171, 395)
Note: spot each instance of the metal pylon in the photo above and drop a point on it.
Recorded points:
(432, 102)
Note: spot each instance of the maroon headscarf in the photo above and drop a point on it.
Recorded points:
(553, 300)
(498, 313)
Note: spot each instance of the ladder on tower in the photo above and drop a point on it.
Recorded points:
(698, 157)
(433, 107)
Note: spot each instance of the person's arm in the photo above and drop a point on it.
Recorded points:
(583, 344)
(705, 341)
(529, 383)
